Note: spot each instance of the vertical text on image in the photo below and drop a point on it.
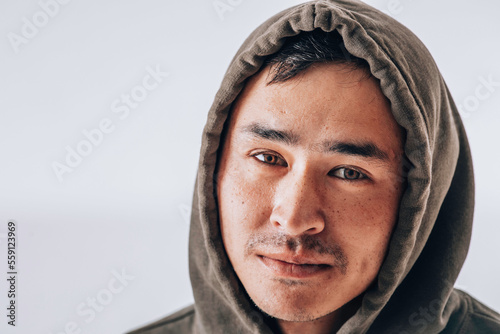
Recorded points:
(12, 278)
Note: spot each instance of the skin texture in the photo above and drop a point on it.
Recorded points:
(306, 228)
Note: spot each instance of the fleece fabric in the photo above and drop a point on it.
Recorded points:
(414, 291)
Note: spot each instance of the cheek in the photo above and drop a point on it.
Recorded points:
(244, 202)
(244, 192)
(363, 223)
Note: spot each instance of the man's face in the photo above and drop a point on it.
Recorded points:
(308, 189)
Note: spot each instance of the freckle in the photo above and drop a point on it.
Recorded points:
(242, 202)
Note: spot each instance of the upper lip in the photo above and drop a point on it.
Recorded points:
(296, 259)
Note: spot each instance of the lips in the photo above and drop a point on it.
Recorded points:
(293, 267)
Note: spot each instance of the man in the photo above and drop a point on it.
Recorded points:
(335, 186)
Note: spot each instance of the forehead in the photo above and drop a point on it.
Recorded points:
(326, 102)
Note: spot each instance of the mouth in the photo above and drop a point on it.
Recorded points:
(293, 267)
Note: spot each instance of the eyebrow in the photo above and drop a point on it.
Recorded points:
(262, 131)
(364, 149)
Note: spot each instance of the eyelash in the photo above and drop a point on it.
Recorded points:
(362, 176)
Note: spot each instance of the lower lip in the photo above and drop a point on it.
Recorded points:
(290, 270)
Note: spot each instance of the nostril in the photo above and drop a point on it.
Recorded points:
(297, 221)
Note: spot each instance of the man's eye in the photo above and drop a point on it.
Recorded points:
(347, 174)
(270, 159)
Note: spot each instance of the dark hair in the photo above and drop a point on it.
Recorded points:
(301, 51)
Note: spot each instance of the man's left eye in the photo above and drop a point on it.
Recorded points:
(347, 174)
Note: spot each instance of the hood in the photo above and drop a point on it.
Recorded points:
(431, 238)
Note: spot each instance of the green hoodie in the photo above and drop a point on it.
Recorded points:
(414, 291)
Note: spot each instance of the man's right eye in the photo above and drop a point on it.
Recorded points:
(271, 159)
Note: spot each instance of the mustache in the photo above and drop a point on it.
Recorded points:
(306, 242)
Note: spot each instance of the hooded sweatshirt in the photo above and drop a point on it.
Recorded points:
(413, 292)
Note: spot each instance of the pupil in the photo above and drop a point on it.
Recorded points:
(351, 174)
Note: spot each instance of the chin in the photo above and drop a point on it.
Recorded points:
(293, 304)
(293, 313)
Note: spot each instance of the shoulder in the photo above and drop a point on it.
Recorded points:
(179, 322)
(479, 318)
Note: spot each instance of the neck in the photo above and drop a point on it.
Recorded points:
(329, 323)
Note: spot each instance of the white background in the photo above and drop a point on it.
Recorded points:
(124, 207)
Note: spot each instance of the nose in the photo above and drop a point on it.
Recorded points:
(298, 206)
